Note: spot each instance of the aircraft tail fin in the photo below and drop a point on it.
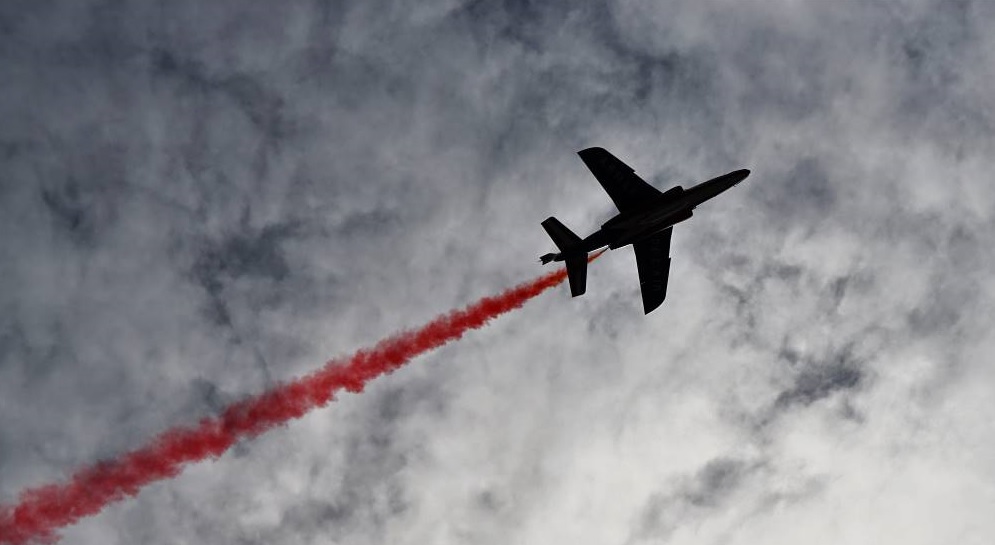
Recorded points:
(575, 258)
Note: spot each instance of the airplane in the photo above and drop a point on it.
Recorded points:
(645, 220)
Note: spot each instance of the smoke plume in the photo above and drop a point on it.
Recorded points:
(40, 512)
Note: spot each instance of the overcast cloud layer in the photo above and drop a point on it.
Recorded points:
(198, 199)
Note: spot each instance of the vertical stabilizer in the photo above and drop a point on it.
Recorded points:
(563, 238)
(569, 245)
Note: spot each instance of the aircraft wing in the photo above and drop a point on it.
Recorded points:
(627, 190)
(653, 263)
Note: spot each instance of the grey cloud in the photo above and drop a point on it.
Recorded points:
(705, 491)
(803, 195)
(67, 208)
(264, 108)
(199, 199)
(714, 482)
(818, 379)
(244, 254)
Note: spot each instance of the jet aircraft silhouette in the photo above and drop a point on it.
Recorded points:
(645, 220)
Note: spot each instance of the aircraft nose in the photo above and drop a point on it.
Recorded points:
(739, 175)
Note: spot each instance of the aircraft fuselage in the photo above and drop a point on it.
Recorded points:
(671, 208)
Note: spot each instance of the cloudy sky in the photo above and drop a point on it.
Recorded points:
(200, 199)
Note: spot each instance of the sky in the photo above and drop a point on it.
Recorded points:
(199, 200)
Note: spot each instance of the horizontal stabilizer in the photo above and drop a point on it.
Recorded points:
(577, 274)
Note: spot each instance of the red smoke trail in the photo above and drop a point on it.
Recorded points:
(41, 511)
